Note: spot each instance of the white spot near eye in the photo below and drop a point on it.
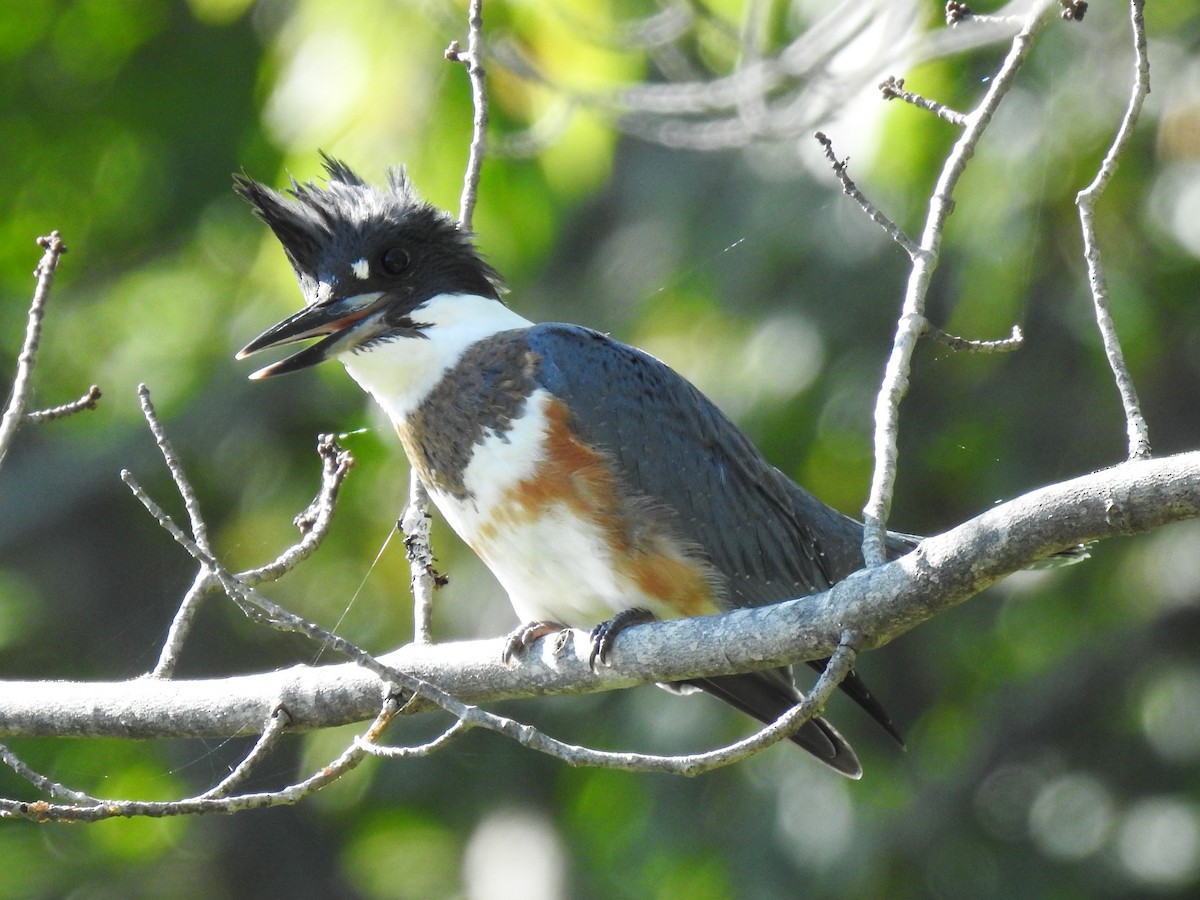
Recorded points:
(361, 269)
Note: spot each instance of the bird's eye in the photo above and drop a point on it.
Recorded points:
(394, 260)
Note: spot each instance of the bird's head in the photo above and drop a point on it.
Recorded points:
(367, 259)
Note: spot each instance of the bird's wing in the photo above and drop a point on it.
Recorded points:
(768, 537)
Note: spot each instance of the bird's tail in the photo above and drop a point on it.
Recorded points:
(768, 695)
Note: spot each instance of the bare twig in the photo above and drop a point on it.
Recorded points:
(314, 522)
(959, 13)
(96, 810)
(260, 609)
(267, 741)
(181, 624)
(87, 401)
(473, 59)
(415, 524)
(1072, 10)
(415, 520)
(1136, 429)
(954, 342)
(189, 606)
(456, 730)
(14, 413)
(893, 89)
(251, 602)
(850, 189)
(912, 317)
(689, 764)
(175, 467)
(41, 782)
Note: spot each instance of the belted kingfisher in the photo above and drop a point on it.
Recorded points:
(597, 484)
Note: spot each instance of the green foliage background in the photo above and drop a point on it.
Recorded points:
(1053, 724)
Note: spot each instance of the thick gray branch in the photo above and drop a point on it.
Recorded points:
(878, 604)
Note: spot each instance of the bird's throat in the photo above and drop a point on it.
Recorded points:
(400, 373)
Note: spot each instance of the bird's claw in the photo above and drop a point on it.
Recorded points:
(604, 635)
(522, 636)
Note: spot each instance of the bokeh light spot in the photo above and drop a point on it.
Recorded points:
(517, 854)
(1071, 817)
(1170, 714)
(1159, 842)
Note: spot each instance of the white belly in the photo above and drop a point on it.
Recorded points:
(554, 564)
(555, 568)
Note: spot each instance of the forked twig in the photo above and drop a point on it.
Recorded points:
(14, 413)
(1135, 423)
(40, 781)
(415, 521)
(912, 321)
(314, 524)
(316, 519)
(472, 57)
(92, 810)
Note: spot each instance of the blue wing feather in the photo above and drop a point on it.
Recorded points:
(768, 537)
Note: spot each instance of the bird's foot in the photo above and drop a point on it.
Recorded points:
(605, 634)
(522, 636)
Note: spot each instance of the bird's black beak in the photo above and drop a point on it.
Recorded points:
(341, 323)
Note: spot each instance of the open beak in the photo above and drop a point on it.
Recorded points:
(340, 323)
